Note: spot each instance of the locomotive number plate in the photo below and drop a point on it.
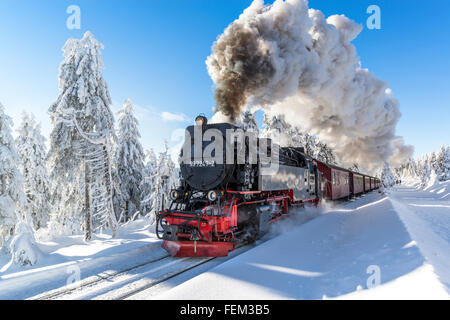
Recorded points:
(200, 164)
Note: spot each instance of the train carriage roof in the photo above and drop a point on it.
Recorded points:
(335, 167)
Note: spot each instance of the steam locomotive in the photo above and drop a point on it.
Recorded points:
(234, 185)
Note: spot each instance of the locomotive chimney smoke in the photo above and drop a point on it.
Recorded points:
(288, 59)
(251, 58)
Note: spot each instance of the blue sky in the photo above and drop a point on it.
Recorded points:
(155, 53)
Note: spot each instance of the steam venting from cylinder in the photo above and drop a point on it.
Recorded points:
(290, 60)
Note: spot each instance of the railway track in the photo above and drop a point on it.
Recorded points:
(131, 281)
(145, 287)
(54, 294)
(143, 291)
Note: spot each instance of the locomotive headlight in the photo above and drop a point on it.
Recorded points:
(175, 194)
(212, 195)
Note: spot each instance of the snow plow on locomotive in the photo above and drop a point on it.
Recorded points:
(233, 186)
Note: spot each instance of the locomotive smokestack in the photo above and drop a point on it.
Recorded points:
(201, 120)
(288, 59)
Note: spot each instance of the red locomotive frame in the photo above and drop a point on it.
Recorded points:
(221, 228)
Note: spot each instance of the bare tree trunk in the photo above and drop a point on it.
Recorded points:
(87, 205)
(112, 216)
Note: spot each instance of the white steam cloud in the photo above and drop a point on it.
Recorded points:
(290, 60)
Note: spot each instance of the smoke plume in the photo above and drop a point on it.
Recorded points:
(287, 59)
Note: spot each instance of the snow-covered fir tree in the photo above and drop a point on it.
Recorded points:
(355, 168)
(309, 142)
(277, 129)
(148, 181)
(128, 165)
(11, 181)
(433, 162)
(83, 126)
(248, 122)
(325, 154)
(408, 169)
(166, 177)
(22, 245)
(422, 168)
(33, 155)
(425, 171)
(387, 177)
(443, 163)
(282, 133)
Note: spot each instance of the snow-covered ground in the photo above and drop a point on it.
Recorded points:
(401, 238)
(63, 261)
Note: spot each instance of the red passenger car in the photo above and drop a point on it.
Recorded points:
(358, 183)
(366, 183)
(335, 181)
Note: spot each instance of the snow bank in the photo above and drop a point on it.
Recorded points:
(23, 247)
(340, 254)
(405, 287)
(432, 181)
(59, 257)
(439, 190)
(427, 218)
